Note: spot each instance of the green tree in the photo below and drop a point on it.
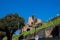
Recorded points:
(9, 24)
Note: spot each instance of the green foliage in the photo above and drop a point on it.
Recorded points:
(9, 24)
(11, 21)
(53, 22)
(45, 25)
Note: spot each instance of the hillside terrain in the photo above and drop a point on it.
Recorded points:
(54, 21)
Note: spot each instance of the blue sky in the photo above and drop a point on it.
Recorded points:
(43, 9)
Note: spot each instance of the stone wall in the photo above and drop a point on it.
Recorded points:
(40, 33)
(53, 31)
(50, 32)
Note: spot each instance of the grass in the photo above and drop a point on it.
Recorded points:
(45, 25)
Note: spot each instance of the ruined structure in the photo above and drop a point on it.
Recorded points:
(32, 22)
(52, 31)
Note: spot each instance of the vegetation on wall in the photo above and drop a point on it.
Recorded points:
(52, 22)
(56, 21)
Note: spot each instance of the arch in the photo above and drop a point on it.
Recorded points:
(55, 32)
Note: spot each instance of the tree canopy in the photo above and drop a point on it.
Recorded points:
(9, 24)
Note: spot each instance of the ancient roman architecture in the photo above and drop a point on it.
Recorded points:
(32, 22)
(50, 32)
(53, 31)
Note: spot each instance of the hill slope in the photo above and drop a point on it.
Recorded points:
(54, 21)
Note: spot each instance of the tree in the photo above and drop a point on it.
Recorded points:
(9, 24)
(2, 35)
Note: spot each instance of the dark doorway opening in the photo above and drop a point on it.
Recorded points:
(55, 32)
(28, 29)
